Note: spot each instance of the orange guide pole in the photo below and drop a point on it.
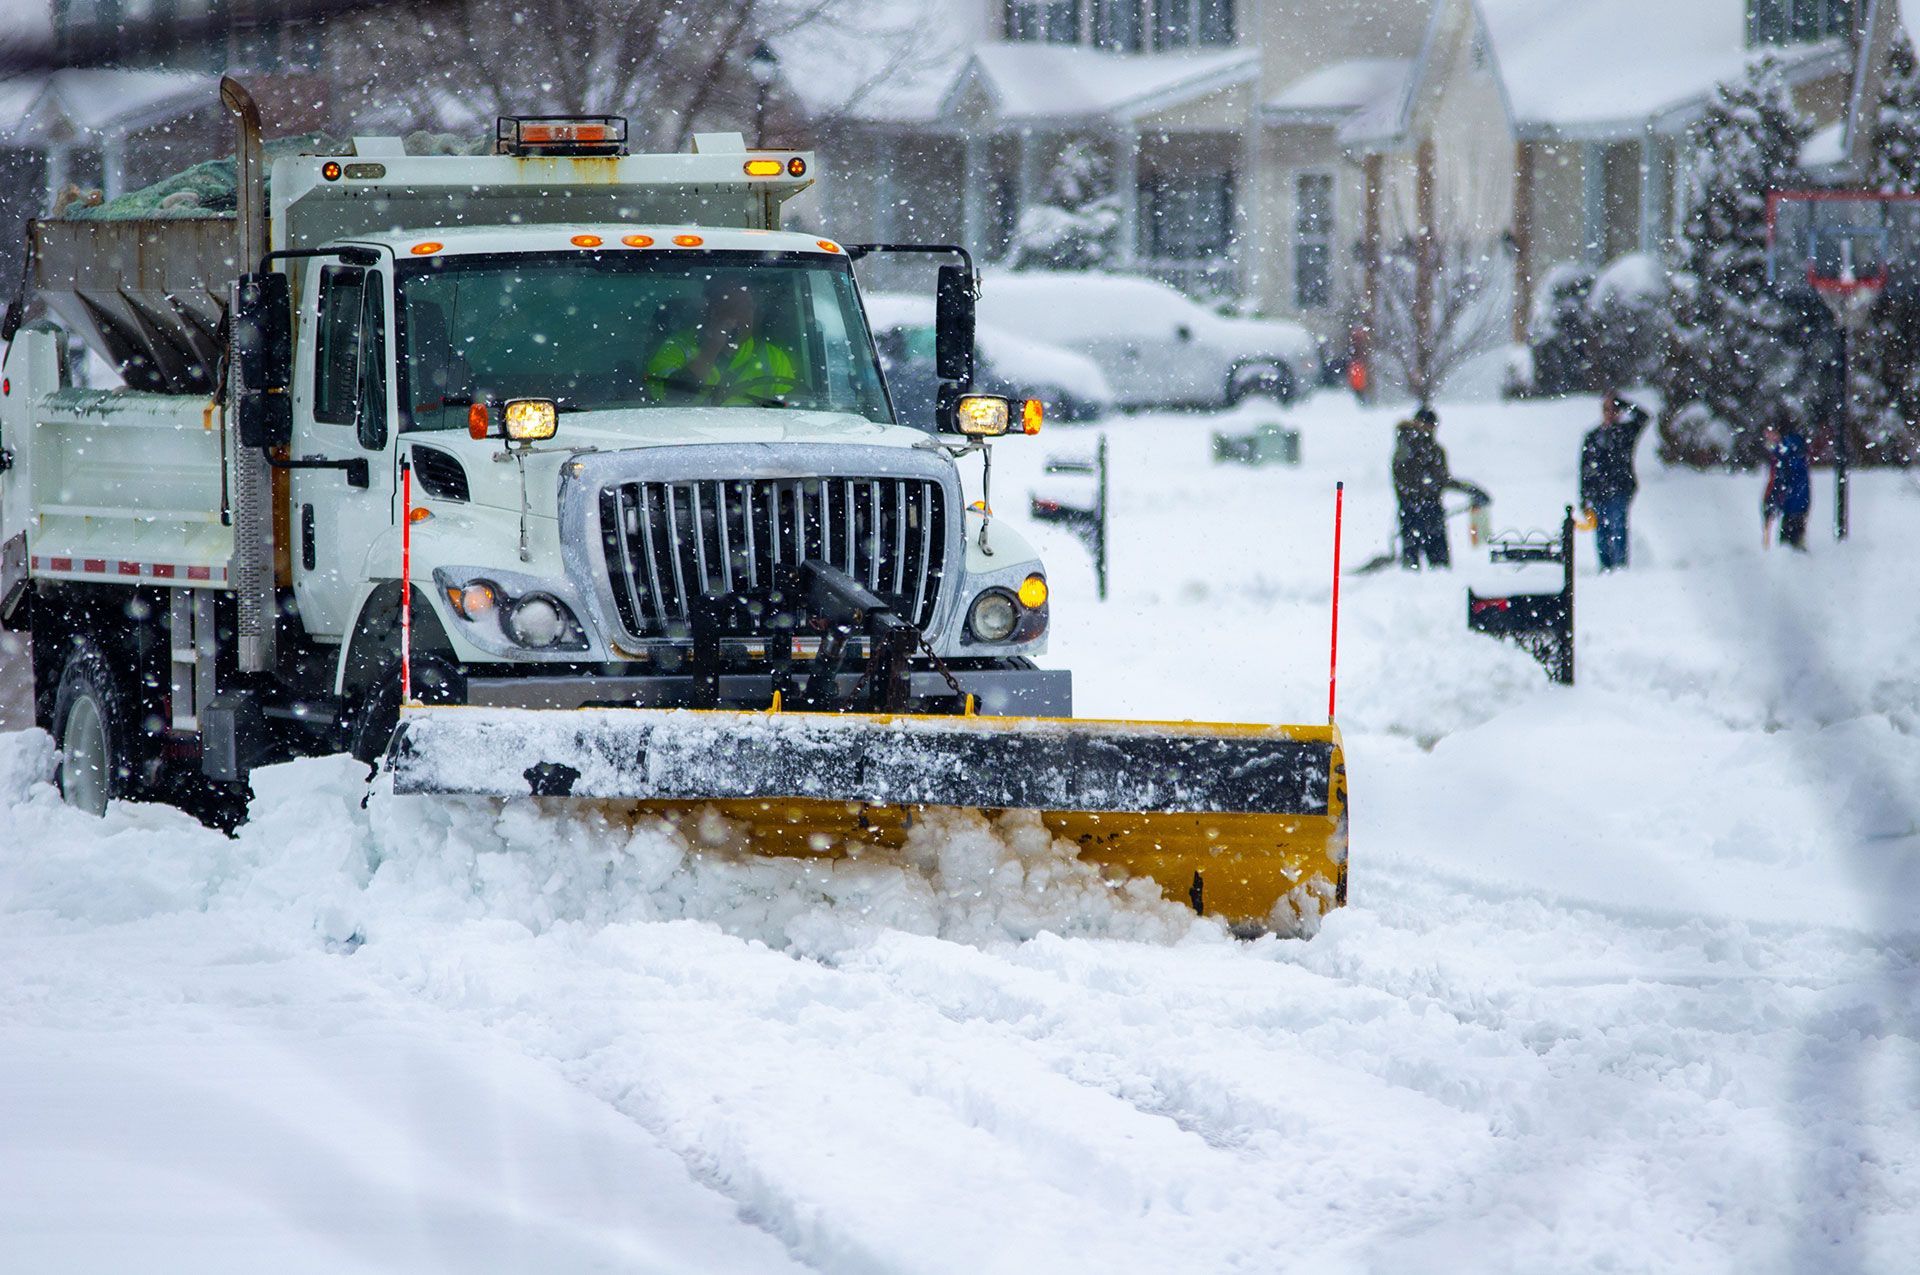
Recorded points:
(1333, 645)
(406, 581)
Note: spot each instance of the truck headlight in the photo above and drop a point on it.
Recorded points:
(993, 616)
(537, 620)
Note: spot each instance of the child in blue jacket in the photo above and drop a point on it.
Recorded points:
(1789, 487)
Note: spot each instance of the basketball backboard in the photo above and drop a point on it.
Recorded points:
(1847, 245)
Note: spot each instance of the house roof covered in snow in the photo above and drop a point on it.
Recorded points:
(1598, 67)
(1057, 82)
(51, 106)
(1333, 93)
(879, 60)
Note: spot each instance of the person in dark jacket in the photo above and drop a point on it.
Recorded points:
(1420, 474)
(1607, 479)
(1789, 491)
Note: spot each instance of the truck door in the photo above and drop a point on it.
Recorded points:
(341, 412)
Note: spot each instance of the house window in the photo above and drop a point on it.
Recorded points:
(1048, 21)
(1313, 241)
(1794, 21)
(1189, 218)
(1117, 26)
(1180, 24)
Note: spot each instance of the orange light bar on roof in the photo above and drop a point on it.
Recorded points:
(638, 241)
(585, 241)
(687, 241)
(763, 168)
(561, 134)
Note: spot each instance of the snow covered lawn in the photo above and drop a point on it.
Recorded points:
(1630, 981)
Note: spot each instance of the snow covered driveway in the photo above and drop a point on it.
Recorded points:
(1629, 981)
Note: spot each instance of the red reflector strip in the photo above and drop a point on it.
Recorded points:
(1492, 604)
(118, 569)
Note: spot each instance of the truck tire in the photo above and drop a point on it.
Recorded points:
(435, 681)
(91, 723)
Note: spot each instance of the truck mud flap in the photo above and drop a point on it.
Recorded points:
(1245, 822)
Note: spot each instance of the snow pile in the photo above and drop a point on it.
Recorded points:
(312, 849)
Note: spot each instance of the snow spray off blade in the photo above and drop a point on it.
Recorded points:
(1246, 822)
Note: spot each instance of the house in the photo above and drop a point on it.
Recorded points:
(1541, 134)
(1216, 195)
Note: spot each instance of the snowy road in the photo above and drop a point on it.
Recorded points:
(1631, 979)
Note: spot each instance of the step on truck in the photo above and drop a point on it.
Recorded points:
(565, 473)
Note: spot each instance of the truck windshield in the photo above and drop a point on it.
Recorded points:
(597, 331)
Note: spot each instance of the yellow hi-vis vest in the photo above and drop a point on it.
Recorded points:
(758, 372)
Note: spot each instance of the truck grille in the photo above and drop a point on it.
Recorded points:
(667, 541)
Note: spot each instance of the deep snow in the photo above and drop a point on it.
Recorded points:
(1628, 982)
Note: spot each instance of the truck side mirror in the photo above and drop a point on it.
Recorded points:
(953, 325)
(262, 313)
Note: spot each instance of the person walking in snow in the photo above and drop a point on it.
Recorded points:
(1789, 491)
(1420, 474)
(1607, 478)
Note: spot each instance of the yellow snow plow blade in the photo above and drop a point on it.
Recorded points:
(1248, 823)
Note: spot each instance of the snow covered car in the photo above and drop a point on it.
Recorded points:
(1071, 385)
(1157, 347)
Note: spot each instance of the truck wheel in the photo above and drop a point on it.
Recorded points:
(435, 681)
(374, 719)
(90, 721)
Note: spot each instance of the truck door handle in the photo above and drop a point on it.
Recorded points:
(356, 469)
(307, 552)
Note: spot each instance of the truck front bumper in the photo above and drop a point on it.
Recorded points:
(1000, 692)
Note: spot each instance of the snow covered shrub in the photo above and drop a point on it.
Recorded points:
(1628, 312)
(1562, 331)
(1077, 222)
(1730, 338)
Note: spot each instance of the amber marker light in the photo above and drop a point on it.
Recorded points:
(1032, 413)
(796, 167)
(426, 249)
(585, 241)
(477, 421)
(330, 170)
(827, 245)
(687, 241)
(762, 167)
(419, 513)
(638, 241)
(1033, 592)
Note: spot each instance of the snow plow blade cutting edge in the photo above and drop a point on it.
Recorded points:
(1247, 823)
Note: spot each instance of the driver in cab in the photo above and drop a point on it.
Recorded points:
(725, 360)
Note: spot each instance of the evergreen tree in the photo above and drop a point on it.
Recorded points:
(1076, 224)
(1734, 364)
(1896, 128)
(1886, 375)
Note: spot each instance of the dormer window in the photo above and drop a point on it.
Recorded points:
(1797, 21)
(1124, 26)
(1044, 21)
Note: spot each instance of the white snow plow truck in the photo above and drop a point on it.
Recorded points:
(565, 473)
